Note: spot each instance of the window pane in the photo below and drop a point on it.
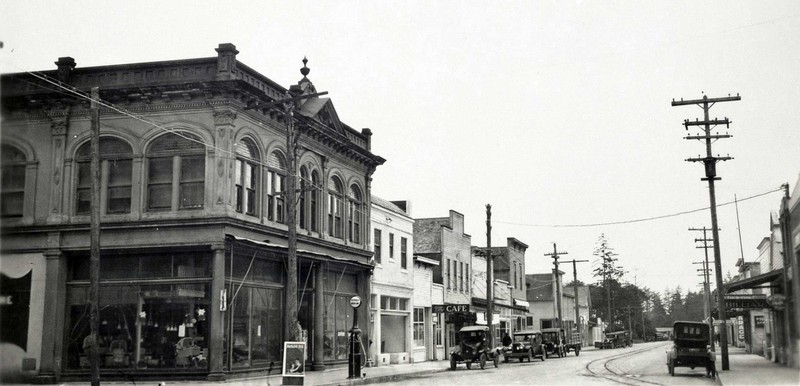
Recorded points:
(119, 173)
(160, 197)
(241, 331)
(192, 195)
(193, 168)
(160, 170)
(119, 199)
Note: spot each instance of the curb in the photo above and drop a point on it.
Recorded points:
(385, 378)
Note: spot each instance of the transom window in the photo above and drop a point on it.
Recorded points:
(13, 181)
(176, 173)
(115, 176)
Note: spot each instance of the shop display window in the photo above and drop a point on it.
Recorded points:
(256, 327)
(142, 327)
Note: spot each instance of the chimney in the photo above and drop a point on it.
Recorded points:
(366, 132)
(65, 66)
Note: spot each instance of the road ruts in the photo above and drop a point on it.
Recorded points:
(599, 368)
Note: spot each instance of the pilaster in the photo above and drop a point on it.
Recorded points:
(58, 139)
(216, 313)
(52, 337)
(223, 159)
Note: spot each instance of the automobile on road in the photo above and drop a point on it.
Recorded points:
(691, 348)
(473, 348)
(526, 344)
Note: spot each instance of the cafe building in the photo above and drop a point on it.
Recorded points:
(194, 228)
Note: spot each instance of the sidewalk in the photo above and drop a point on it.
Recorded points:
(751, 369)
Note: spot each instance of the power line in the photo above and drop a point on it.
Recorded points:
(636, 220)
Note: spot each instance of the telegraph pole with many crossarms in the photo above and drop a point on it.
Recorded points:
(710, 163)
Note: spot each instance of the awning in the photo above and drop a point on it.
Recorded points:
(300, 252)
(523, 303)
(751, 282)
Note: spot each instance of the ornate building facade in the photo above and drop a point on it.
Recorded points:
(194, 236)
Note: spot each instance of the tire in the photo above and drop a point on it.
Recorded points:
(578, 351)
(469, 365)
(521, 359)
(483, 361)
(452, 363)
(530, 355)
(505, 358)
(544, 354)
(671, 367)
(496, 360)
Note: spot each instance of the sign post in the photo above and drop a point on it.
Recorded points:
(354, 361)
(294, 363)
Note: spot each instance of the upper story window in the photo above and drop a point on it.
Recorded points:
(403, 253)
(377, 241)
(247, 161)
(276, 178)
(313, 201)
(355, 212)
(391, 245)
(176, 173)
(13, 181)
(115, 176)
(302, 212)
(335, 207)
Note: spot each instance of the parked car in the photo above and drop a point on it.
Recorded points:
(615, 339)
(473, 348)
(554, 342)
(691, 348)
(526, 344)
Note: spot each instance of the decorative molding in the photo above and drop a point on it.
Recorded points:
(224, 117)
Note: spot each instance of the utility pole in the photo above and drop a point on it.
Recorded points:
(557, 279)
(707, 281)
(710, 162)
(289, 104)
(575, 287)
(489, 275)
(94, 239)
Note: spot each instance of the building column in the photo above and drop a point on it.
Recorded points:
(319, 315)
(52, 341)
(216, 325)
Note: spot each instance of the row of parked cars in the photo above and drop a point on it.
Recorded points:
(525, 344)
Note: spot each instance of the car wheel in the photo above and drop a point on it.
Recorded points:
(578, 351)
(544, 354)
(530, 355)
(452, 362)
(483, 361)
(671, 367)
(496, 360)
(469, 365)
(505, 358)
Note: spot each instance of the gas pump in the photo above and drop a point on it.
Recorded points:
(354, 358)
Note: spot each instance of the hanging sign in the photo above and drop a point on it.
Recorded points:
(449, 308)
(355, 301)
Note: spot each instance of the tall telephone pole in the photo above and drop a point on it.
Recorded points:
(710, 163)
(94, 239)
(489, 275)
(707, 280)
(557, 279)
(575, 287)
(289, 104)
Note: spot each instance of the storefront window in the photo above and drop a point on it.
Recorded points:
(168, 321)
(338, 315)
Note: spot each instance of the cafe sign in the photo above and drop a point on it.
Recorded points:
(449, 308)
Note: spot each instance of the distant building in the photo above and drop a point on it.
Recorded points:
(443, 240)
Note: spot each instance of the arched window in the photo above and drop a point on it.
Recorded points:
(335, 209)
(13, 181)
(304, 191)
(276, 178)
(116, 161)
(246, 176)
(176, 170)
(313, 199)
(355, 212)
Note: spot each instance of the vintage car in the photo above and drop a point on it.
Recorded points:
(474, 347)
(526, 344)
(615, 339)
(554, 342)
(691, 348)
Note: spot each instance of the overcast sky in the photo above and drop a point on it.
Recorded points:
(555, 112)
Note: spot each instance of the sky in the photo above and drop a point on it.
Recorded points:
(554, 112)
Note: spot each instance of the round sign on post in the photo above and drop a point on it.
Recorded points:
(355, 301)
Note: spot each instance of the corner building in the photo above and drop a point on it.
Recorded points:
(194, 239)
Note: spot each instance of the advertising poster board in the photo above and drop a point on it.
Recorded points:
(294, 362)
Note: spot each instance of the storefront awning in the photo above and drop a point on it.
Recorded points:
(522, 303)
(754, 281)
(300, 252)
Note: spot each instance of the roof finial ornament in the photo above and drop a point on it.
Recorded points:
(305, 70)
